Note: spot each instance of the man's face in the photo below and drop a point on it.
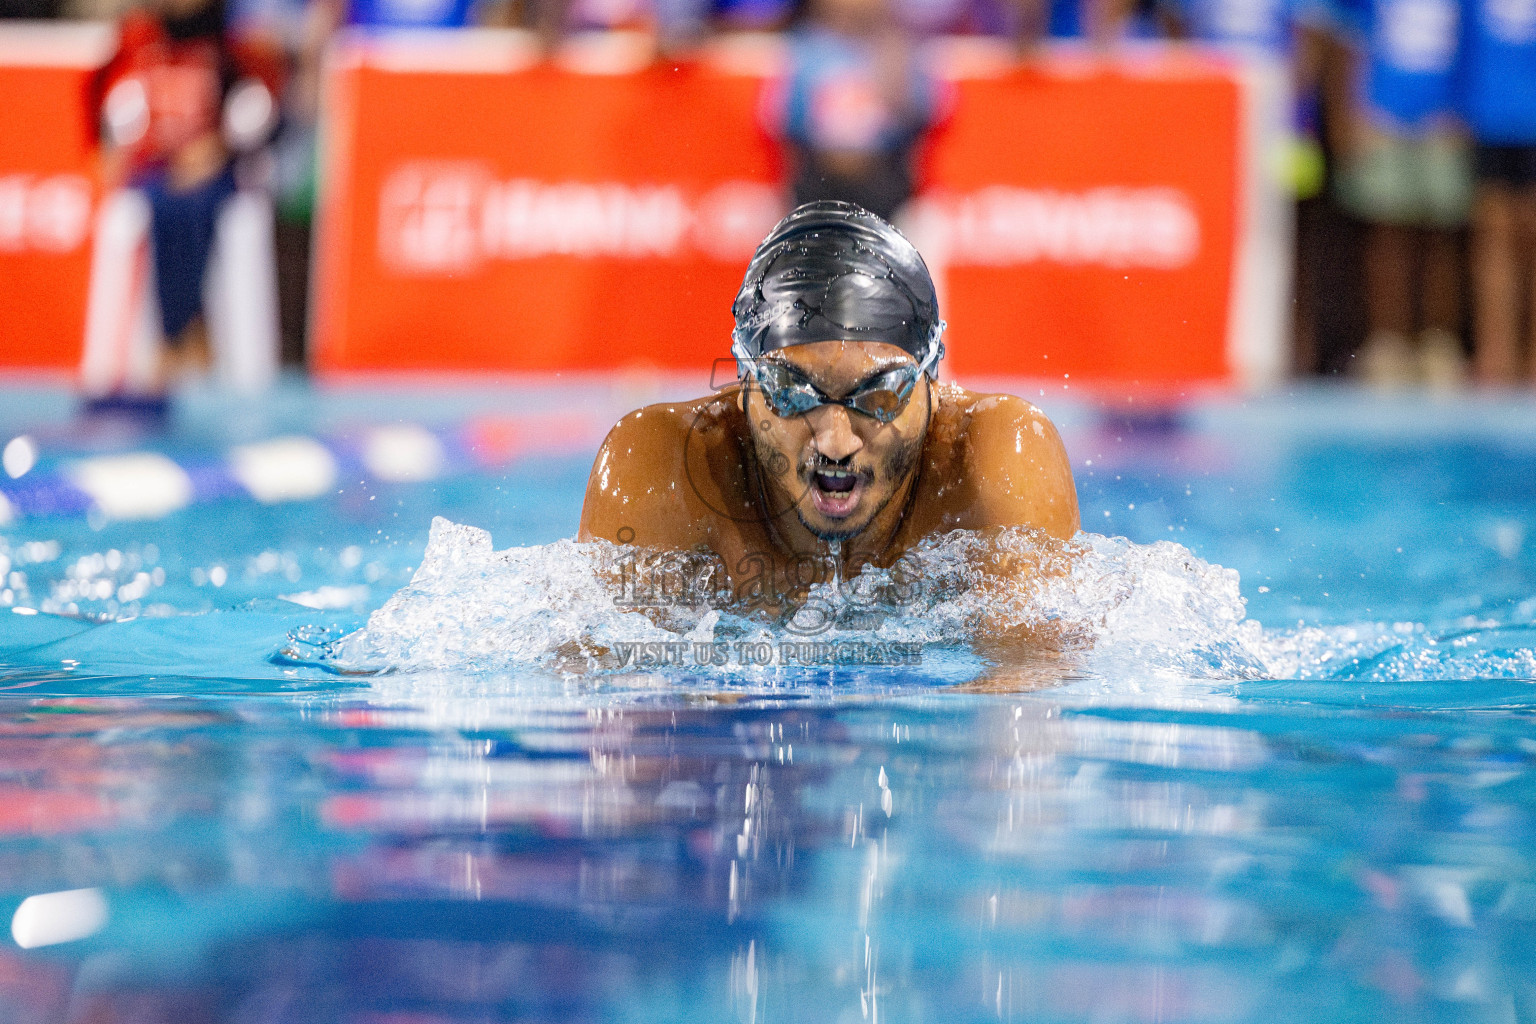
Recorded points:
(838, 467)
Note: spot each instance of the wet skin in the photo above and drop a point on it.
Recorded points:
(726, 474)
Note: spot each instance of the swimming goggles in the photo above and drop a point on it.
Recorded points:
(788, 393)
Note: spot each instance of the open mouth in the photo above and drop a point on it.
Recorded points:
(835, 492)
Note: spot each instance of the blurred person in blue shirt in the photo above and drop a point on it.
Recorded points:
(1498, 99)
(1102, 23)
(1405, 170)
(852, 106)
(396, 14)
(1027, 21)
(1265, 26)
(1292, 34)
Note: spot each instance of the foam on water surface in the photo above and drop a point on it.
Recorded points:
(1119, 618)
(1434, 584)
(1121, 615)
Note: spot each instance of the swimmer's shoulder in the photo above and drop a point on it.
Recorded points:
(651, 470)
(1014, 453)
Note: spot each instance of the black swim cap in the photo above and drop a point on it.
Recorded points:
(833, 271)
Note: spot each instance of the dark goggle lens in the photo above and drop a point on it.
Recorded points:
(784, 394)
(883, 398)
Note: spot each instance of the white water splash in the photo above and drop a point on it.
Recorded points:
(1126, 614)
(1155, 606)
(471, 607)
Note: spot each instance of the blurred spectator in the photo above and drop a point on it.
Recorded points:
(737, 15)
(852, 106)
(1262, 25)
(323, 17)
(1103, 23)
(678, 25)
(300, 30)
(1282, 45)
(1024, 20)
(1288, 33)
(409, 13)
(1499, 101)
(184, 221)
(1405, 171)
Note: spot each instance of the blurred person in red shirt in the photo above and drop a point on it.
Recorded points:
(183, 255)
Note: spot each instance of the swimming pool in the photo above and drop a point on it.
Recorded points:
(1329, 818)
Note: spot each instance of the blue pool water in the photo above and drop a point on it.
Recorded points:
(1316, 806)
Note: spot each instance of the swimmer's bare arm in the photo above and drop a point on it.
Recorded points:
(637, 492)
(1025, 478)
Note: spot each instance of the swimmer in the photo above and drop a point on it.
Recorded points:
(835, 445)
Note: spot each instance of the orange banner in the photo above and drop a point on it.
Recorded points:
(535, 218)
(48, 190)
(1084, 216)
(488, 211)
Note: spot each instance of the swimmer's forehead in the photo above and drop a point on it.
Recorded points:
(842, 357)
